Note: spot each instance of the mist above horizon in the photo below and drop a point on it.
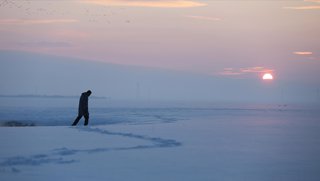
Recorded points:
(36, 74)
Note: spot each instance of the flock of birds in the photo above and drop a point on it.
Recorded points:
(34, 9)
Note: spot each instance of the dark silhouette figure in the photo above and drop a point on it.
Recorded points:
(83, 108)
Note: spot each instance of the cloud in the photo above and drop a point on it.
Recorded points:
(230, 72)
(245, 70)
(73, 34)
(302, 53)
(47, 44)
(310, 7)
(307, 56)
(314, 1)
(34, 21)
(255, 70)
(147, 3)
(207, 18)
(303, 7)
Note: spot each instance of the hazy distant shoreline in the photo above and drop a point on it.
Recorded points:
(49, 96)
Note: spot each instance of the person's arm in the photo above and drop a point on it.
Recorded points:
(86, 107)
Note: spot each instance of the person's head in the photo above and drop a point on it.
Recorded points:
(89, 92)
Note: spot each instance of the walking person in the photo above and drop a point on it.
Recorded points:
(83, 108)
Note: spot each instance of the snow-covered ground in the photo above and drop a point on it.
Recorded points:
(258, 146)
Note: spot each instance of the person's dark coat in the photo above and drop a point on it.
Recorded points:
(83, 104)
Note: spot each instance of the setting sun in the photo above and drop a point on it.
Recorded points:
(267, 76)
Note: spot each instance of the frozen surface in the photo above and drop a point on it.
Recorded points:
(196, 144)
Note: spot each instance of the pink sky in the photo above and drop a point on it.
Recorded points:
(236, 39)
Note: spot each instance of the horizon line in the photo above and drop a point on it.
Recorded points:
(48, 96)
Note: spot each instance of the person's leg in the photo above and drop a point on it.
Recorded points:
(76, 120)
(86, 120)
